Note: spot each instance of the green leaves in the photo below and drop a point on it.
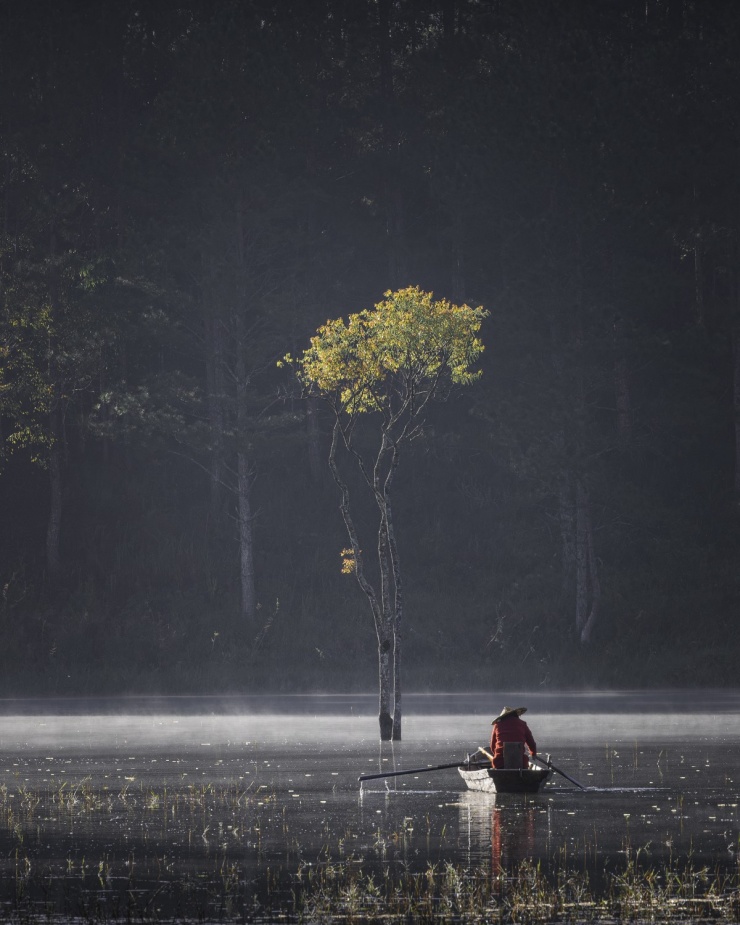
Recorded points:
(404, 347)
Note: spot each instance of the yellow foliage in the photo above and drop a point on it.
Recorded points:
(409, 337)
(349, 563)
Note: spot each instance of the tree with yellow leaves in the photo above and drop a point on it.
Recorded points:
(385, 365)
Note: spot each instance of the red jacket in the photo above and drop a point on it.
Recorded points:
(511, 729)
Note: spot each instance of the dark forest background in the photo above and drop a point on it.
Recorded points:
(187, 189)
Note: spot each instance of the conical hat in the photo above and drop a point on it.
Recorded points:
(509, 711)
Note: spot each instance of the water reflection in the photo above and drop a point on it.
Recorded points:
(505, 828)
(512, 837)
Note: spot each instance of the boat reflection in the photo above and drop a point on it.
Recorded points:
(506, 828)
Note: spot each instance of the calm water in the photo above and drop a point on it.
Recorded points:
(197, 806)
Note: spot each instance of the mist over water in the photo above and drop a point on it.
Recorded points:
(86, 790)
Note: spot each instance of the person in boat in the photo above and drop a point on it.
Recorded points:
(509, 727)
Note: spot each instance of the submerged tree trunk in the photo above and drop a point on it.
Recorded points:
(387, 638)
(389, 652)
(391, 593)
(588, 588)
(397, 620)
(385, 688)
(397, 712)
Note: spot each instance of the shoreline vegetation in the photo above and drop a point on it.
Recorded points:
(351, 891)
(166, 853)
(451, 893)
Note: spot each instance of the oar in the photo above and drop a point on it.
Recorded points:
(438, 767)
(549, 764)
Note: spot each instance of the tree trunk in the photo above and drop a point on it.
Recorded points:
(588, 588)
(397, 712)
(567, 516)
(397, 622)
(54, 526)
(246, 542)
(386, 642)
(390, 573)
(595, 585)
(736, 405)
(581, 555)
(216, 420)
(385, 688)
(243, 474)
(383, 617)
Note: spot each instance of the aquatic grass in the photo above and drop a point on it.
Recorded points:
(228, 851)
(360, 893)
(454, 894)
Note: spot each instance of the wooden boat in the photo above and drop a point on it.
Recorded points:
(506, 780)
(483, 777)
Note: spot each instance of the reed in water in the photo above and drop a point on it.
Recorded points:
(200, 852)
(451, 893)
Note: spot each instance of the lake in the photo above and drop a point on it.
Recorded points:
(216, 808)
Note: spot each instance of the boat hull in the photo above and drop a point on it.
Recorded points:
(490, 780)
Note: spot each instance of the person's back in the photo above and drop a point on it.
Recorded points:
(509, 728)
